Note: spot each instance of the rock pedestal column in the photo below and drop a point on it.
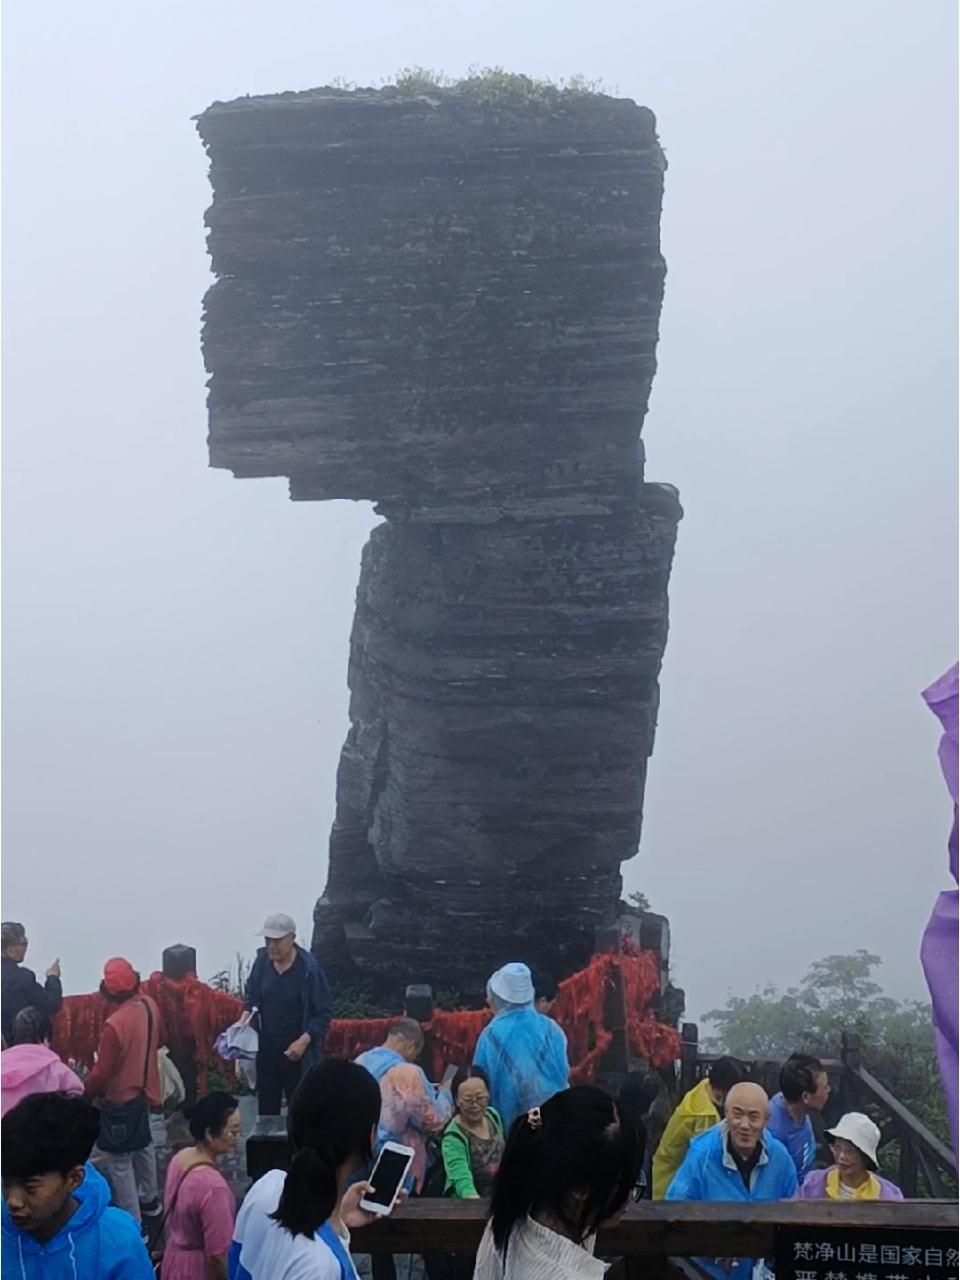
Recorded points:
(449, 305)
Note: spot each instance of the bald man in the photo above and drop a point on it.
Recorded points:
(736, 1160)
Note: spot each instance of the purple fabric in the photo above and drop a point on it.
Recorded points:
(938, 952)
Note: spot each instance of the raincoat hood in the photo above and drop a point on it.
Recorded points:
(698, 1102)
(93, 1196)
(97, 1241)
(33, 1068)
(24, 1062)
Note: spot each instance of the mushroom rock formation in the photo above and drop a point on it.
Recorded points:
(449, 304)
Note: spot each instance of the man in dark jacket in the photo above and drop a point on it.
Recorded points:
(20, 987)
(289, 991)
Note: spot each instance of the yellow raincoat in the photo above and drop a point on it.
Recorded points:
(695, 1114)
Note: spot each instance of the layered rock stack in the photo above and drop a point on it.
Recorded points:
(449, 305)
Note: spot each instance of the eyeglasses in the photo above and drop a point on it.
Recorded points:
(841, 1147)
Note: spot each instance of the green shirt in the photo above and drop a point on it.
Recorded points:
(455, 1149)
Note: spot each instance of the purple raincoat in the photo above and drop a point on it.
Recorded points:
(815, 1187)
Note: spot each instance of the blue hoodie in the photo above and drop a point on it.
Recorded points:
(98, 1241)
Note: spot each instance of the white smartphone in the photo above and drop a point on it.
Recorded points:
(387, 1178)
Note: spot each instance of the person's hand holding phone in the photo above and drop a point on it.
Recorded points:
(352, 1216)
(388, 1176)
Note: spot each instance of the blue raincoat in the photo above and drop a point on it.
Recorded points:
(524, 1055)
(378, 1061)
(97, 1241)
(709, 1172)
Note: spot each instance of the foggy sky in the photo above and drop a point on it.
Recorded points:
(175, 641)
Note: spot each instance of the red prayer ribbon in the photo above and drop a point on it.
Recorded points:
(194, 1014)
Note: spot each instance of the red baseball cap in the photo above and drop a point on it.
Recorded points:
(119, 976)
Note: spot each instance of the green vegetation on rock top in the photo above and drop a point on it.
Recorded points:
(490, 84)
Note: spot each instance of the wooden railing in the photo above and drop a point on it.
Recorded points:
(652, 1237)
(654, 1240)
(923, 1157)
(925, 1161)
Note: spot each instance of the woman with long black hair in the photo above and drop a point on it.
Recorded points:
(296, 1225)
(568, 1167)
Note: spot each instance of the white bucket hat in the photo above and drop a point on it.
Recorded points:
(860, 1131)
(513, 983)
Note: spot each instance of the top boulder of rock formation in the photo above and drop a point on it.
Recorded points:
(441, 302)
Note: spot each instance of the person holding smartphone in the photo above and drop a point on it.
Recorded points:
(296, 1225)
(21, 990)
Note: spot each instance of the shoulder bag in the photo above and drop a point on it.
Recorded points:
(125, 1126)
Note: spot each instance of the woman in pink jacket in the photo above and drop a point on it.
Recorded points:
(30, 1065)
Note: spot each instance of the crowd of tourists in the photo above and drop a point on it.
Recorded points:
(554, 1163)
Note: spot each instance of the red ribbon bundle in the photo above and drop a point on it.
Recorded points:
(651, 1039)
(348, 1037)
(76, 1028)
(453, 1037)
(194, 1014)
(579, 1008)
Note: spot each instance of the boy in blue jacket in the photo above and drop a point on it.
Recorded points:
(57, 1223)
(736, 1160)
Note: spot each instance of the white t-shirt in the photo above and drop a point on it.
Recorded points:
(263, 1250)
(534, 1252)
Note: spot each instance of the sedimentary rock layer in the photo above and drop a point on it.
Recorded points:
(449, 306)
(504, 682)
(446, 307)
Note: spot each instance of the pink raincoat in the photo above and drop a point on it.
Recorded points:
(33, 1068)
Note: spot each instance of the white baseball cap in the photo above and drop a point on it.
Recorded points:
(860, 1131)
(278, 926)
(513, 983)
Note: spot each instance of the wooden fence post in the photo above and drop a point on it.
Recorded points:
(175, 963)
(616, 1061)
(908, 1166)
(689, 1051)
(617, 1058)
(418, 1004)
(850, 1048)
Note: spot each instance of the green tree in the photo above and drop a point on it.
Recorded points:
(839, 993)
(758, 1026)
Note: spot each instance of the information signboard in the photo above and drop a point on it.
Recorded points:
(863, 1254)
